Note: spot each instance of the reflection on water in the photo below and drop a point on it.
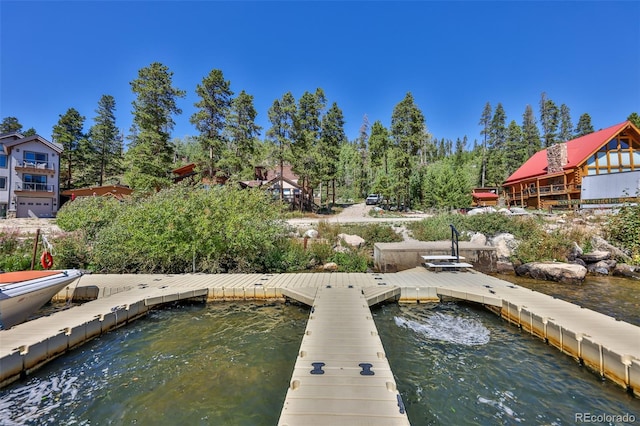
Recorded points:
(230, 364)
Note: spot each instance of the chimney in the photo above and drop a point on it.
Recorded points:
(556, 158)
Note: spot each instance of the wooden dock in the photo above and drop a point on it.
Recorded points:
(609, 347)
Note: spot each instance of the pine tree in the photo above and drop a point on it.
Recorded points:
(485, 121)
(282, 116)
(634, 118)
(530, 132)
(496, 172)
(409, 132)
(332, 137)
(566, 126)
(515, 149)
(548, 120)
(106, 142)
(69, 133)
(363, 149)
(584, 126)
(210, 119)
(151, 154)
(10, 125)
(242, 134)
(379, 144)
(305, 159)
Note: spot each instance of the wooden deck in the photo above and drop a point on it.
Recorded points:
(608, 346)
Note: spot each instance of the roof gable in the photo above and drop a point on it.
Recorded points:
(578, 151)
(19, 141)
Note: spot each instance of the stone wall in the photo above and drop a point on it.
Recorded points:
(556, 158)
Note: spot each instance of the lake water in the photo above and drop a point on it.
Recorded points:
(230, 364)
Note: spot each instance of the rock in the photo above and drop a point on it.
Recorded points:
(599, 243)
(478, 238)
(503, 267)
(481, 210)
(352, 240)
(330, 267)
(554, 271)
(578, 261)
(505, 245)
(595, 256)
(311, 233)
(627, 271)
(575, 253)
(519, 211)
(603, 267)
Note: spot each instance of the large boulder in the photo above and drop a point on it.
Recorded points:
(481, 210)
(553, 271)
(505, 245)
(352, 240)
(627, 271)
(330, 267)
(603, 267)
(311, 233)
(595, 256)
(478, 238)
(600, 244)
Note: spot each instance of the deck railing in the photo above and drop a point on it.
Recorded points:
(38, 165)
(33, 187)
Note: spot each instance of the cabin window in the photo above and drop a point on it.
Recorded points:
(3, 183)
(3, 161)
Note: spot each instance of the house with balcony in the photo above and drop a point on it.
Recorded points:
(601, 169)
(29, 176)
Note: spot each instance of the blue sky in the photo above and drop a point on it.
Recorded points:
(452, 56)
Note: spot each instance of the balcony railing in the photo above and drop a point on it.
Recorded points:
(546, 190)
(35, 165)
(34, 187)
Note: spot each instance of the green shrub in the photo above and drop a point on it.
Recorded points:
(88, 214)
(436, 228)
(544, 246)
(71, 251)
(373, 233)
(623, 229)
(182, 228)
(351, 261)
(15, 252)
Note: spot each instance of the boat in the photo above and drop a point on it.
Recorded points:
(24, 292)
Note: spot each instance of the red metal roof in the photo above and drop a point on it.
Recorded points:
(484, 195)
(578, 150)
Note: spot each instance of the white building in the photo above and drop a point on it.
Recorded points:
(29, 176)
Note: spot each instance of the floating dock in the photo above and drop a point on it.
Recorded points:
(342, 375)
(609, 347)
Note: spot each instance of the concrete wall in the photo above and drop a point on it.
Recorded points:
(394, 257)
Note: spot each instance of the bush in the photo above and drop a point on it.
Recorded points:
(15, 252)
(88, 214)
(181, 229)
(351, 261)
(623, 229)
(436, 228)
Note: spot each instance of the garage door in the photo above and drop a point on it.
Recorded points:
(34, 207)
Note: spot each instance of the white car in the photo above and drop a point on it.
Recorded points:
(373, 199)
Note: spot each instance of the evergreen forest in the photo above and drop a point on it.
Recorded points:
(404, 162)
